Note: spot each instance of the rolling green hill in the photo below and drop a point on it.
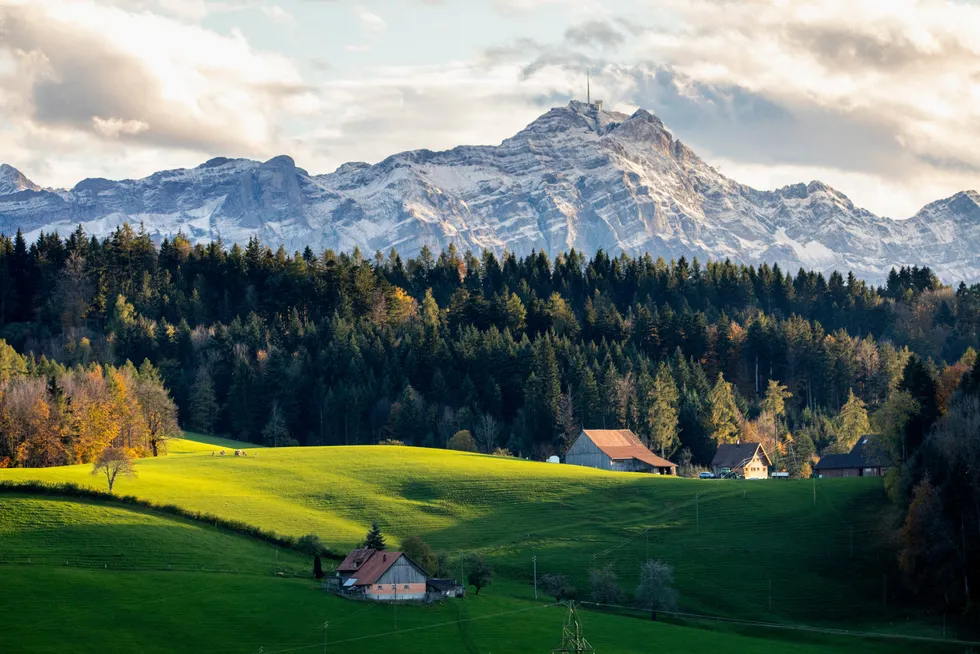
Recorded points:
(92, 576)
(775, 551)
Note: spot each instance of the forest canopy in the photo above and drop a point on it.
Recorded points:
(327, 348)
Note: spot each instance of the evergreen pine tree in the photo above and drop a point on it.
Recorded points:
(725, 418)
(663, 415)
(374, 540)
(204, 405)
(852, 423)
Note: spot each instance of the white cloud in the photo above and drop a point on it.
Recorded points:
(115, 127)
(277, 14)
(164, 84)
(881, 100)
(372, 24)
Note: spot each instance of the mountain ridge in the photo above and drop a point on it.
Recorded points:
(577, 176)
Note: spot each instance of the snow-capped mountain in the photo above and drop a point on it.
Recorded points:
(577, 177)
(13, 181)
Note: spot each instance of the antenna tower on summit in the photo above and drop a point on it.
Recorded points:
(597, 105)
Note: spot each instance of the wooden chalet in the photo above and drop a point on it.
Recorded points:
(748, 460)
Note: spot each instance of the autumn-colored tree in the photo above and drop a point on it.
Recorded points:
(725, 418)
(402, 307)
(11, 363)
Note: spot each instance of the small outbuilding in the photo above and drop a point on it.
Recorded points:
(748, 460)
(864, 460)
(437, 589)
(616, 449)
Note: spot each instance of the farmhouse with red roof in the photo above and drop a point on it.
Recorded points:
(381, 575)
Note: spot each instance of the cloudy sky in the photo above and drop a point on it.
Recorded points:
(879, 99)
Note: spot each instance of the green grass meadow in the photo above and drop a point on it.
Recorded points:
(786, 552)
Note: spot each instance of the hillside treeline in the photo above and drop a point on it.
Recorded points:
(522, 351)
(51, 415)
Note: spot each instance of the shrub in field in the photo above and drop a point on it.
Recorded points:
(462, 441)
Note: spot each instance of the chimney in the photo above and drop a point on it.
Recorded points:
(738, 442)
(384, 558)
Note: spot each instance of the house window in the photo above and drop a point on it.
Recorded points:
(380, 586)
(406, 586)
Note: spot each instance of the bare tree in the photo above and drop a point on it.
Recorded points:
(558, 587)
(605, 586)
(112, 462)
(656, 589)
(486, 433)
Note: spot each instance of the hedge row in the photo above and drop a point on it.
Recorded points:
(74, 490)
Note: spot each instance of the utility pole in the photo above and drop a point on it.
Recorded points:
(534, 560)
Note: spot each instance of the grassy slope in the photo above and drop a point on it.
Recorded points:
(136, 604)
(201, 443)
(726, 548)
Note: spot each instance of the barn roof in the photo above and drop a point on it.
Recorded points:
(355, 559)
(864, 454)
(375, 565)
(622, 444)
(733, 455)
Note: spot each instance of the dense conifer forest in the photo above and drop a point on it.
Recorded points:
(517, 353)
(335, 348)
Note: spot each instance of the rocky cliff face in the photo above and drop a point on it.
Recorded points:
(575, 177)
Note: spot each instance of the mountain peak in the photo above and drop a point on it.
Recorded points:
(580, 175)
(14, 181)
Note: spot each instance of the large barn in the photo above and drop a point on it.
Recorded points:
(616, 449)
(380, 575)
